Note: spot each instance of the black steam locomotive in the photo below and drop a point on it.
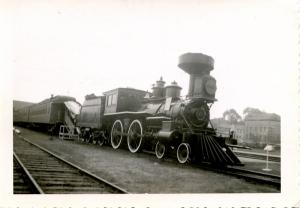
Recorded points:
(161, 120)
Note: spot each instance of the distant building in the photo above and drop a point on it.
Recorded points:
(262, 129)
(239, 131)
(224, 127)
(256, 130)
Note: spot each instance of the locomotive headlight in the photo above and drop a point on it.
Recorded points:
(210, 86)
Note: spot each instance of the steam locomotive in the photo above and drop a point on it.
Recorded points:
(160, 121)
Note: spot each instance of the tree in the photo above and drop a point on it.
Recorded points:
(251, 111)
(232, 116)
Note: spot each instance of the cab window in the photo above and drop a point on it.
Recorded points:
(111, 100)
(114, 99)
(108, 100)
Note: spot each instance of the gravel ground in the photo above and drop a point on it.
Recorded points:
(143, 173)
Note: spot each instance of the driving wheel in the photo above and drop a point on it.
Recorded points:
(116, 134)
(135, 136)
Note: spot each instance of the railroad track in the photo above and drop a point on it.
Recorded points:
(248, 175)
(22, 181)
(258, 156)
(48, 173)
(255, 176)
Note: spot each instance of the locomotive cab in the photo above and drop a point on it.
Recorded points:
(123, 99)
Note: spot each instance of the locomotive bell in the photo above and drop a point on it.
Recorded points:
(198, 66)
(158, 88)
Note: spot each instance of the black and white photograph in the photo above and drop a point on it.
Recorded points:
(150, 104)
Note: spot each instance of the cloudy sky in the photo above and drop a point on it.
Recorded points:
(81, 47)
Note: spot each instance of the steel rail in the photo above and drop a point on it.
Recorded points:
(254, 172)
(257, 156)
(77, 167)
(255, 176)
(246, 174)
(239, 172)
(31, 179)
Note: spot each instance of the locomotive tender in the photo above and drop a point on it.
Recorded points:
(161, 120)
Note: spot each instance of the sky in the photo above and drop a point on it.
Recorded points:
(77, 48)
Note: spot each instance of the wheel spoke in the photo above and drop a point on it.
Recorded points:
(135, 142)
(117, 133)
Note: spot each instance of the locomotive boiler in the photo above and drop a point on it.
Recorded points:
(161, 120)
